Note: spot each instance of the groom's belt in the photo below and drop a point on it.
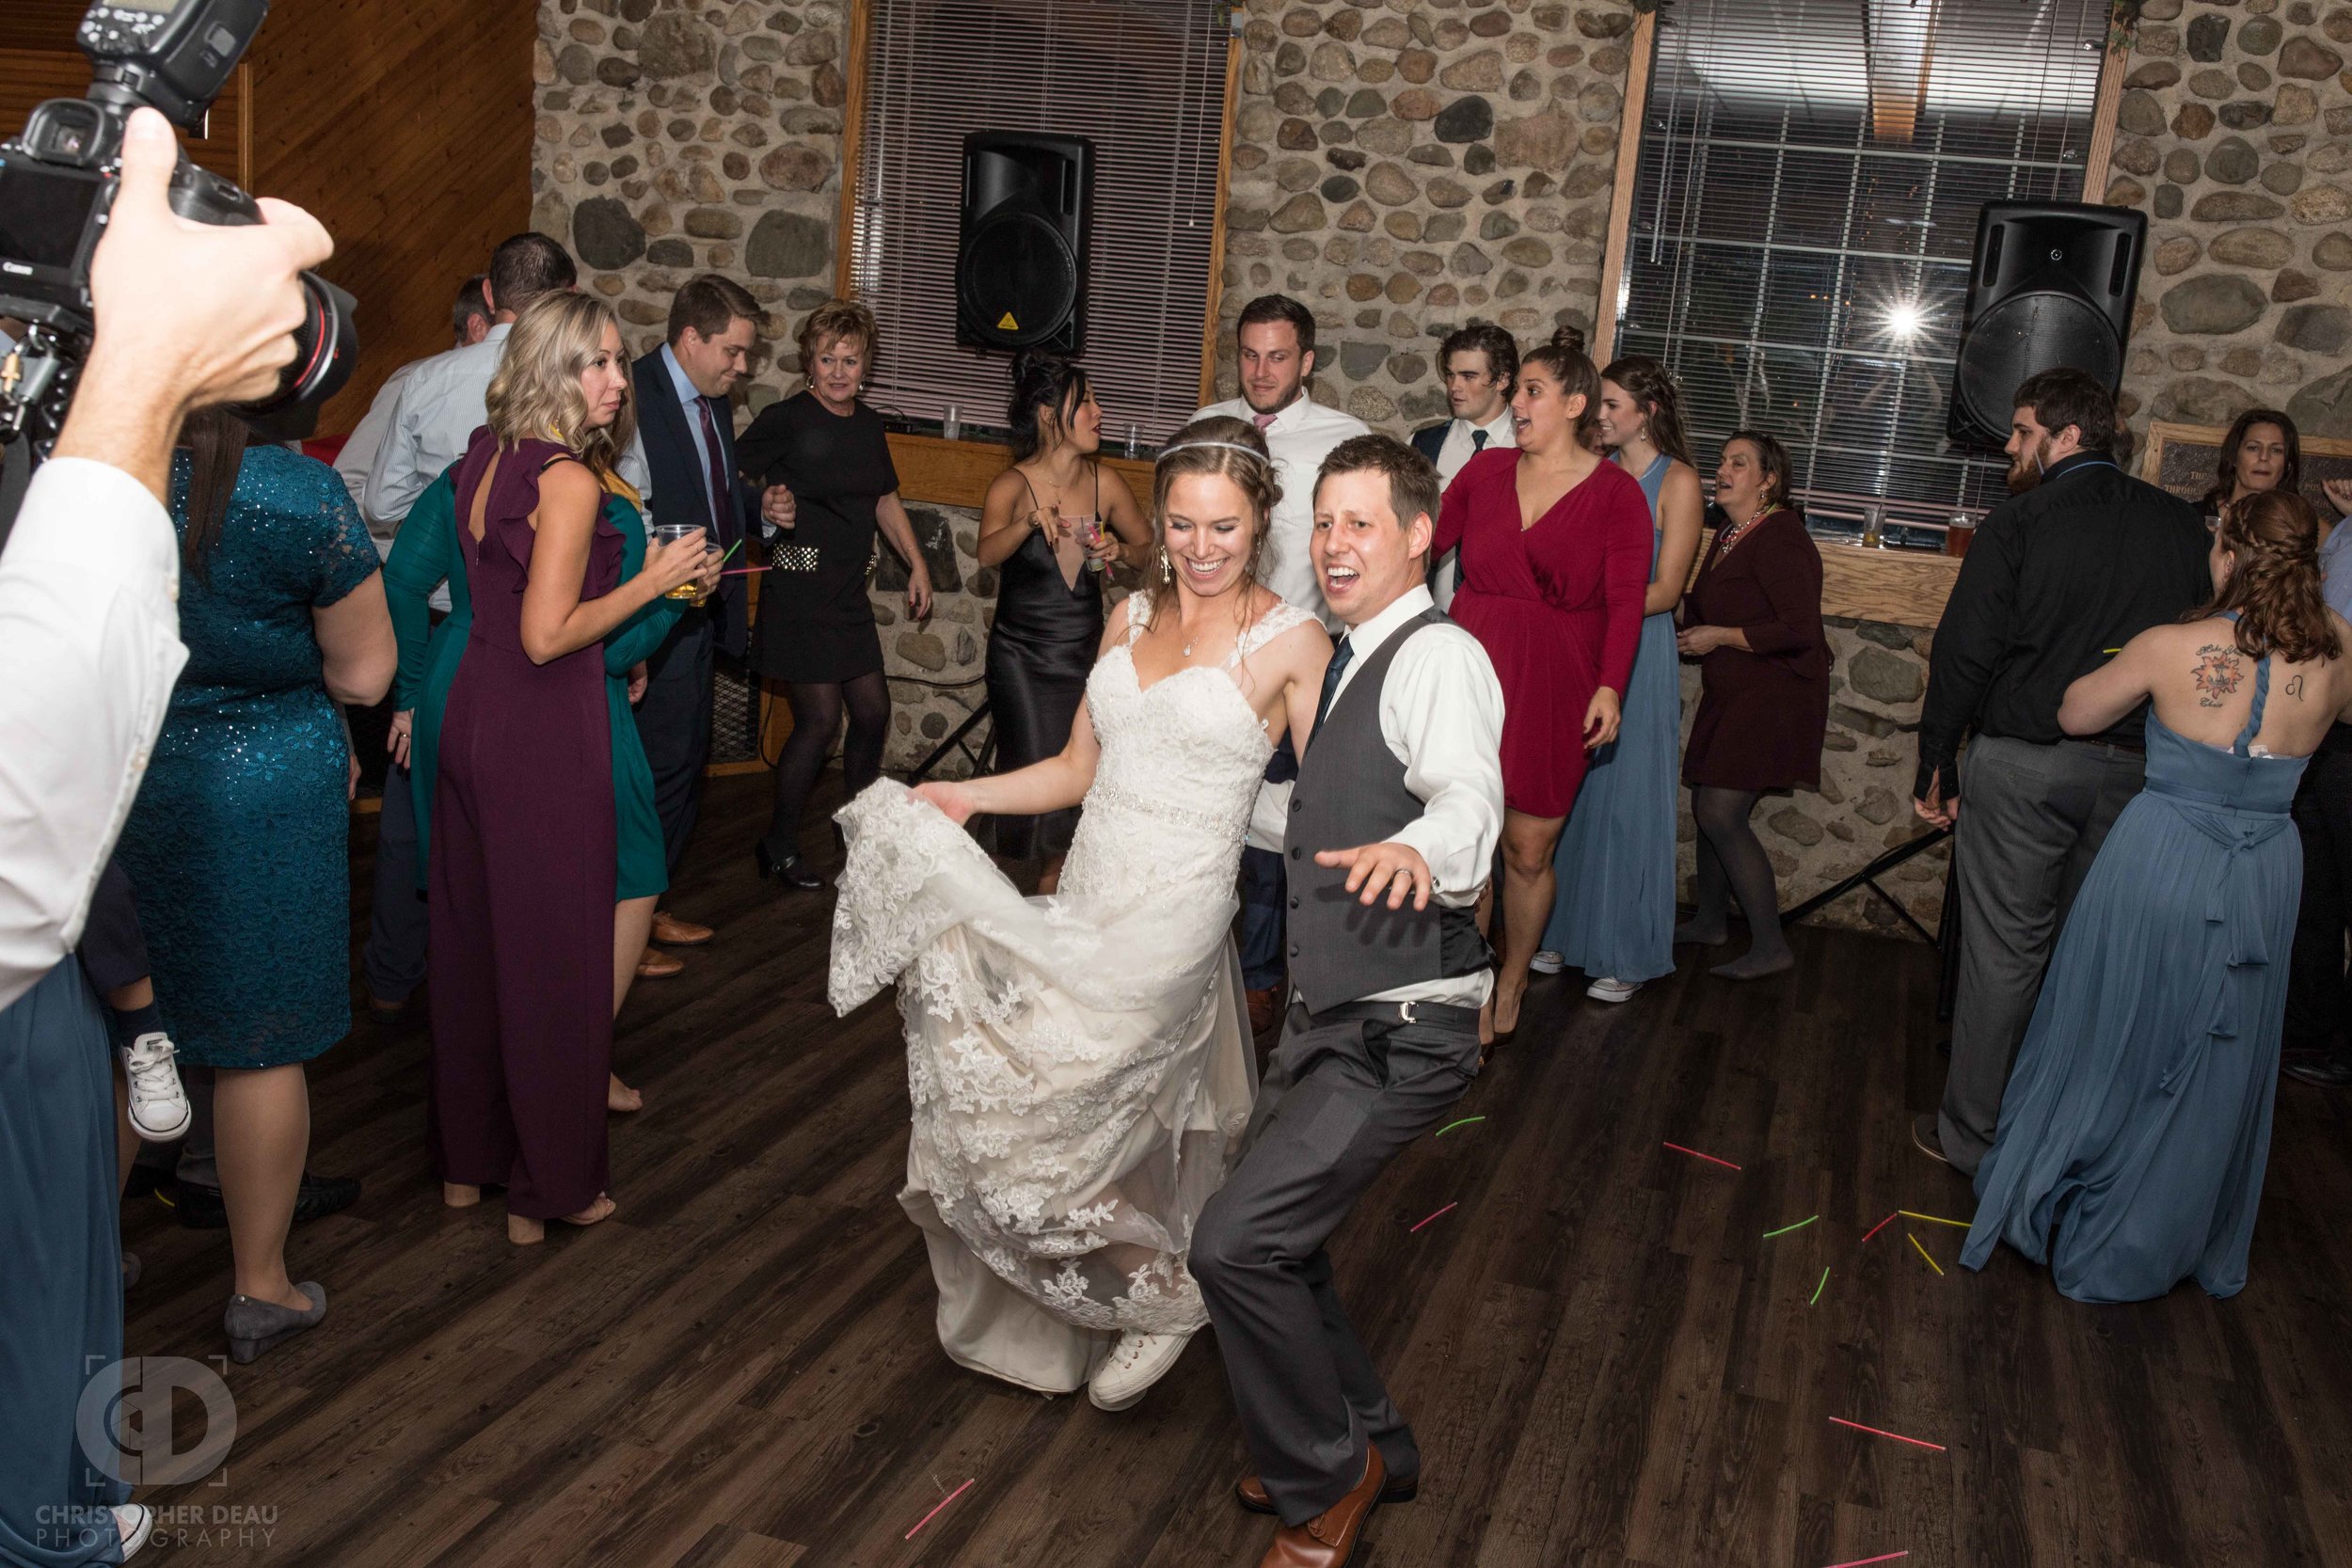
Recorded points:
(1442, 1013)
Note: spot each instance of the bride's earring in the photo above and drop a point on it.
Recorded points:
(1168, 568)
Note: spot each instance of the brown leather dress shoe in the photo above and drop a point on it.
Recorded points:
(1265, 1006)
(1251, 1493)
(1328, 1540)
(658, 965)
(672, 931)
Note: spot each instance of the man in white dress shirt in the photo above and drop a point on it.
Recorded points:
(189, 315)
(1276, 351)
(469, 323)
(441, 407)
(435, 413)
(1393, 827)
(1481, 365)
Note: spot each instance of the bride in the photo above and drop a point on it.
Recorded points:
(1078, 1065)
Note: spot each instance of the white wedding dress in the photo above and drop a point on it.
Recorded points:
(1079, 1065)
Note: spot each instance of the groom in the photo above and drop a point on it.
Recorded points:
(1391, 828)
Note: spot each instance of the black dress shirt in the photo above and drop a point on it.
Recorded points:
(2078, 565)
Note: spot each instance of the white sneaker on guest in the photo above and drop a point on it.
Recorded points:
(159, 1106)
(1547, 962)
(134, 1522)
(1609, 990)
(1136, 1363)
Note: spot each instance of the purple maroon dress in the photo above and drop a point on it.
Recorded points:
(521, 876)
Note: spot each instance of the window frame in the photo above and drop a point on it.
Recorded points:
(860, 50)
(2113, 65)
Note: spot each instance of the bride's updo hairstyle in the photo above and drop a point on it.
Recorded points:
(1231, 448)
(2272, 538)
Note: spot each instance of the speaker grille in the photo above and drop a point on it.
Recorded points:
(2022, 335)
(1019, 279)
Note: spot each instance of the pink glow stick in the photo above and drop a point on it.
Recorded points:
(943, 1503)
(1680, 1150)
(1881, 1225)
(1896, 1435)
(1861, 1561)
(1455, 1204)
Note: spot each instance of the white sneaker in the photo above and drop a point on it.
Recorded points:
(1547, 962)
(1608, 990)
(135, 1522)
(1136, 1363)
(159, 1106)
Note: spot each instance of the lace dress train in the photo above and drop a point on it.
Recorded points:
(1078, 1067)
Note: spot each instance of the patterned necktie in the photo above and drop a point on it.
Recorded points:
(1478, 440)
(1264, 421)
(1340, 655)
(722, 528)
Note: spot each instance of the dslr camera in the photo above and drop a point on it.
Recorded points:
(58, 184)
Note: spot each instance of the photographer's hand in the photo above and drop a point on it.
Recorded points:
(189, 314)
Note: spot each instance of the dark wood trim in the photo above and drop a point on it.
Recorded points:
(934, 471)
(1217, 233)
(853, 140)
(2103, 109)
(1621, 198)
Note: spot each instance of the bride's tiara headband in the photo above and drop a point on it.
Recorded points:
(1225, 446)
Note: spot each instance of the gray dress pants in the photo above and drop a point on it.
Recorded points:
(2031, 820)
(1338, 1102)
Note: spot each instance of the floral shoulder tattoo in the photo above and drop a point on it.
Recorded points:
(2219, 674)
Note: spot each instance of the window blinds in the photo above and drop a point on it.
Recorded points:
(1144, 81)
(1805, 202)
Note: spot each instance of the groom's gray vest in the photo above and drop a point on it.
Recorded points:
(1351, 791)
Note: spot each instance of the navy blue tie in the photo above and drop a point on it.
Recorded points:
(1340, 655)
(1478, 440)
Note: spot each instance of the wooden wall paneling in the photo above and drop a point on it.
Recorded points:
(30, 77)
(407, 131)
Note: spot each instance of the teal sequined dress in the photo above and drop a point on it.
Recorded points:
(239, 843)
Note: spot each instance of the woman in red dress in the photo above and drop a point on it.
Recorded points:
(1753, 619)
(1556, 565)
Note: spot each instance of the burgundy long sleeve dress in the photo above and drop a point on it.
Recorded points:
(1763, 709)
(1557, 607)
(519, 878)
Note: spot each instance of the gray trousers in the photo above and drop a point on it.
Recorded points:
(2031, 820)
(1337, 1104)
(393, 956)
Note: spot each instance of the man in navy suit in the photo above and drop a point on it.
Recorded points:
(688, 427)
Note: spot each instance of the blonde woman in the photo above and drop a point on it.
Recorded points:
(816, 632)
(520, 878)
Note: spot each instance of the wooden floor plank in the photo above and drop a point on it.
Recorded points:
(1606, 1359)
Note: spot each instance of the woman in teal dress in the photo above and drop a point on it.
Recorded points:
(240, 838)
(423, 557)
(1614, 916)
(2135, 1129)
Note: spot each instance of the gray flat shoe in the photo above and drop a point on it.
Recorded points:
(254, 1326)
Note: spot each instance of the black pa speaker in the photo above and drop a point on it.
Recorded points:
(1020, 260)
(2052, 285)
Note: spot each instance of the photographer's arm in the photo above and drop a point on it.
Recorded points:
(187, 316)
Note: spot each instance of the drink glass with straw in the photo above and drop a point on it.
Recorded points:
(1090, 535)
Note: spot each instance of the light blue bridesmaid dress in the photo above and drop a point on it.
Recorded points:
(1614, 913)
(2135, 1129)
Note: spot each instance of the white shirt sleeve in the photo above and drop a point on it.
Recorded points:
(399, 476)
(89, 634)
(357, 461)
(1441, 715)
